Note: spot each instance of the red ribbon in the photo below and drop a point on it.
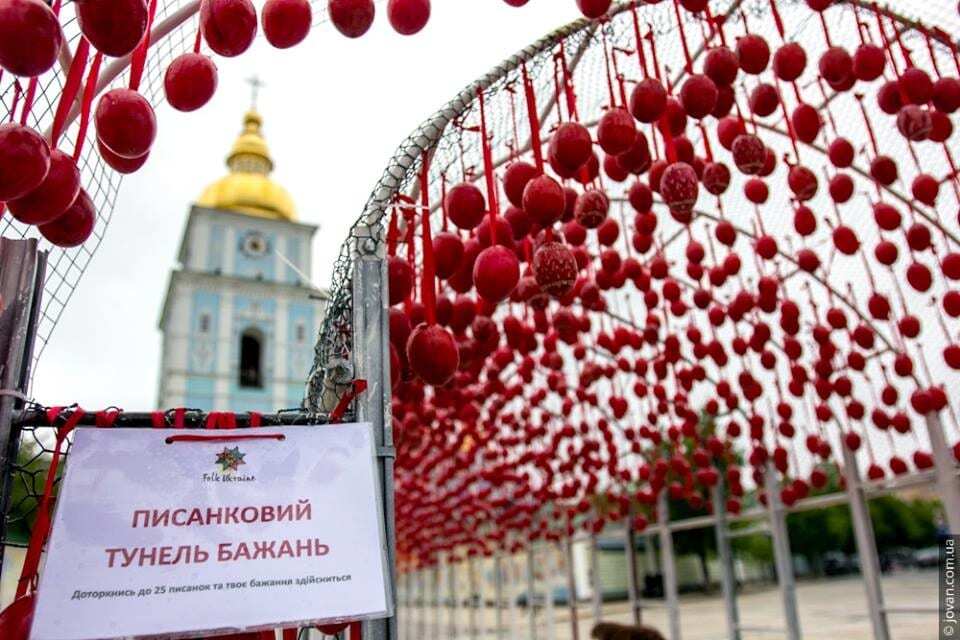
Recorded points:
(359, 386)
(428, 288)
(88, 92)
(139, 58)
(488, 170)
(534, 118)
(70, 90)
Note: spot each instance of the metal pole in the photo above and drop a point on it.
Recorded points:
(454, 603)
(437, 624)
(371, 344)
(633, 577)
(22, 270)
(668, 566)
(728, 576)
(422, 618)
(549, 568)
(408, 587)
(595, 585)
(531, 593)
(472, 598)
(866, 545)
(572, 591)
(498, 594)
(783, 559)
(948, 485)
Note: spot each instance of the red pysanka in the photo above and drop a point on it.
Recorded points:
(571, 145)
(352, 18)
(119, 163)
(836, 65)
(113, 27)
(126, 123)
(946, 95)
(555, 268)
(803, 183)
(24, 160)
(54, 195)
(916, 86)
(466, 206)
(496, 273)
(515, 180)
(544, 200)
(914, 123)
(841, 153)
(447, 253)
(764, 99)
(806, 123)
(789, 62)
(228, 26)
(679, 187)
(617, 131)
(749, 153)
(74, 226)
(408, 17)
(594, 8)
(190, 81)
(648, 100)
(432, 353)
(721, 66)
(286, 22)
(698, 96)
(591, 208)
(716, 178)
(753, 54)
(869, 61)
(400, 275)
(30, 37)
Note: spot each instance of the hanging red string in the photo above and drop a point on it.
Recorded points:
(639, 40)
(89, 89)
(533, 117)
(70, 90)
(488, 170)
(139, 58)
(428, 289)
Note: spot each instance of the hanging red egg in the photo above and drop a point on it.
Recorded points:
(868, 62)
(190, 81)
(926, 188)
(806, 123)
(515, 180)
(24, 160)
(571, 145)
(433, 354)
(716, 178)
(555, 268)
(30, 37)
(889, 99)
(119, 163)
(803, 183)
(591, 208)
(698, 96)
(544, 200)
(408, 17)
(728, 129)
(679, 187)
(749, 153)
(841, 153)
(946, 95)
(836, 65)
(54, 195)
(74, 226)
(113, 27)
(447, 253)
(496, 273)
(286, 22)
(594, 8)
(352, 18)
(914, 123)
(466, 206)
(789, 62)
(764, 99)
(617, 131)
(721, 66)
(884, 170)
(648, 100)
(841, 188)
(228, 26)
(400, 276)
(753, 54)
(125, 123)
(916, 86)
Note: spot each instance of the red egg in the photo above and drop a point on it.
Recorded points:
(515, 180)
(24, 160)
(640, 197)
(946, 95)
(408, 17)
(841, 188)
(190, 81)
(916, 86)
(679, 187)
(636, 160)
(125, 123)
(30, 37)
(749, 153)
(806, 123)
(594, 8)
(447, 253)
(433, 355)
(74, 226)
(616, 132)
(698, 96)
(884, 170)
(571, 145)
(756, 191)
(228, 26)
(400, 276)
(716, 178)
(496, 273)
(889, 99)
(555, 268)
(591, 208)
(764, 99)
(926, 188)
(868, 62)
(721, 66)
(544, 200)
(841, 153)
(113, 27)
(836, 65)
(54, 195)
(648, 100)
(352, 18)
(466, 206)
(789, 62)
(753, 54)
(914, 123)
(286, 22)
(803, 182)
(119, 163)
(728, 129)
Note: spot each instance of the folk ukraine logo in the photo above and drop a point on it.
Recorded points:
(229, 460)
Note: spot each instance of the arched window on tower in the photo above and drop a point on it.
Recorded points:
(251, 359)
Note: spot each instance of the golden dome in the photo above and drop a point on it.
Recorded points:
(248, 188)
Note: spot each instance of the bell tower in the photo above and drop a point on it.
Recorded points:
(240, 317)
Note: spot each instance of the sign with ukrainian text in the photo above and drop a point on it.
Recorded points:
(171, 532)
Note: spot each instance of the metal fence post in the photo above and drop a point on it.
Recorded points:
(866, 545)
(437, 623)
(596, 586)
(783, 558)
(371, 346)
(531, 592)
(498, 594)
(572, 591)
(633, 576)
(452, 594)
(550, 569)
(668, 565)
(948, 485)
(728, 576)
(472, 598)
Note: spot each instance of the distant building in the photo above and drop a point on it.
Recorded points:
(240, 318)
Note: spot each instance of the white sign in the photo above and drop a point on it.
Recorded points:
(155, 537)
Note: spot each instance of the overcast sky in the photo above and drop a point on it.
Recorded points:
(334, 112)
